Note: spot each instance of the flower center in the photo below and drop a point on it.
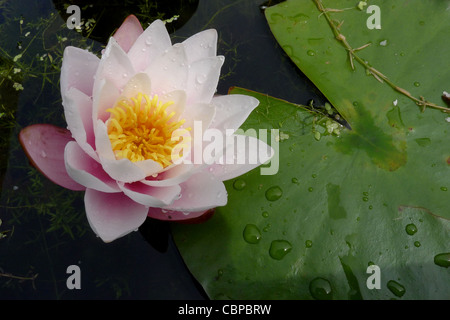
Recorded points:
(140, 128)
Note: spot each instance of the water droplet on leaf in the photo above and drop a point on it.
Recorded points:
(239, 184)
(251, 234)
(274, 193)
(411, 229)
(442, 259)
(396, 288)
(279, 248)
(320, 289)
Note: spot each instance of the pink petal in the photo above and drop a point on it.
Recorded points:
(87, 171)
(150, 44)
(128, 32)
(114, 66)
(203, 79)
(178, 216)
(201, 45)
(201, 192)
(78, 114)
(232, 110)
(78, 69)
(113, 215)
(44, 145)
(150, 196)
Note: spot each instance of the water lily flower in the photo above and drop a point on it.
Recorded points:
(121, 111)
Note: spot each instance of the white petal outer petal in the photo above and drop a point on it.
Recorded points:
(104, 98)
(140, 82)
(113, 215)
(86, 171)
(178, 97)
(198, 112)
(78, 69)
(169, 71)
(114, 66)
(150, 196)
(173, 176)
(150, 44)
(232, 110)
(203, 79)
(201, 192)
(242, 159)
(201, 45)
(169, 215)
(102, 142)
(77, 111)
(148, 167)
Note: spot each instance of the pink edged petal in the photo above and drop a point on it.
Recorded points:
(114, 66)
(178, 216)
(128, 32)
(232, 110)
(241, 156)
(201, 192)
(78, 111)
(169, 71)
(139, 83)
(150, 44)
(113, 215)
(150, 196)
(201, 45)
(203, 79)
(44, 145)
(86, 171)
(105, 97)
(78, 69)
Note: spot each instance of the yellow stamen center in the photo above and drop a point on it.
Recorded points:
(140, 128)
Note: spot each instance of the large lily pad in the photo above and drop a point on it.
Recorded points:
(374, 195)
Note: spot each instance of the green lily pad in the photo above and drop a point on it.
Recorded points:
(376, 195)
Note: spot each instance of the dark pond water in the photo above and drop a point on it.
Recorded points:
(44, 226)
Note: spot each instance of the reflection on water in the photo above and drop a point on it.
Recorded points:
(44, 229)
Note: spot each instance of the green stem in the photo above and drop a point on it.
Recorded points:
(377, 74)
